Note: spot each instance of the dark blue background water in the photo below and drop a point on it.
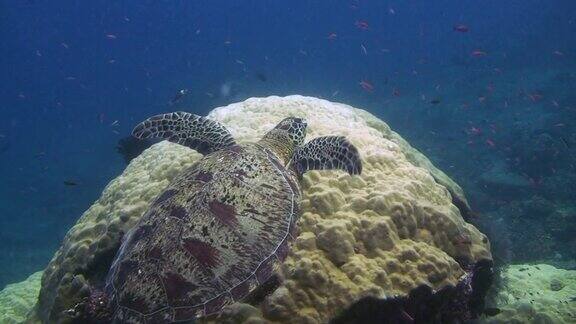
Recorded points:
(71, 69)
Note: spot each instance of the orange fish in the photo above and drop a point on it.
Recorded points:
(111, 36)
(478, 53)
(461, 28)
(475, 131)
(535, 97)
(362, 24)
(366, 85)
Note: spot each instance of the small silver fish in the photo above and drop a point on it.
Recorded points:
(178, 97)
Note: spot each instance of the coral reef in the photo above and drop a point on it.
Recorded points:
(535, 294)
(17, 299)
(396, 227)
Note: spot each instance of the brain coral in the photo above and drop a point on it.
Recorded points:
(379, 234)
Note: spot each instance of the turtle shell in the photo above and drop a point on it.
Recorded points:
(220, 230)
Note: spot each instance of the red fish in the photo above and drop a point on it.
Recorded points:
(366, 85)
(535, 97)
(111, 36)
(490, 142)
(332, 36)
(362, 24)
(475, 131)
(461, 28)
(478, 53)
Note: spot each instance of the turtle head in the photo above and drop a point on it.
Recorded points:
(286, 137)
(295, 129)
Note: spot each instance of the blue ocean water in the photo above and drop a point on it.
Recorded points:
(477, 86)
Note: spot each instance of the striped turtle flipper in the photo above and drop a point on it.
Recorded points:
(196, 132)
(327, 153)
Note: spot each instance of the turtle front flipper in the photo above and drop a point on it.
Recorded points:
(196, 132)
(327, 153)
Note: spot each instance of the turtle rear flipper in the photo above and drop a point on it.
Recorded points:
(327, 153)
(196, 132)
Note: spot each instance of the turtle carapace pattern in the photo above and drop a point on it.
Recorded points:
(222, 228)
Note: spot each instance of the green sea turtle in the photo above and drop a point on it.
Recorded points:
(220, 230)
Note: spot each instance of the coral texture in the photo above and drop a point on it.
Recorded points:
(380, 234)
(17, 299)
(537, 293)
